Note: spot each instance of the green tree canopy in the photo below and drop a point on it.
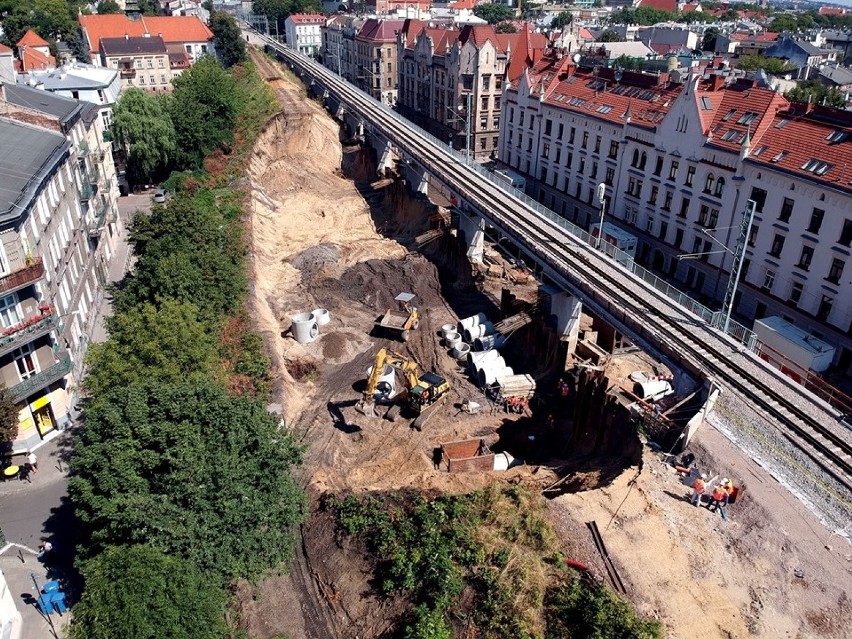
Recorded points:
(8, 417)
(147, 343)
(785, 22)
(228, 38)
(51, 19)
(770, 65)
(813, 91)
(506, 27)
(109, 6)
(562, 19)
(138, 592)
(192, 471)
(203, 109)
(609, 36)
(642, 15)
(494, 13)
(278, 10)
(187, 251)
(708, 42)
(143, 127)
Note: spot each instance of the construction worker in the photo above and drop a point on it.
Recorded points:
(728, 485)
(698, 487)
(719, 498)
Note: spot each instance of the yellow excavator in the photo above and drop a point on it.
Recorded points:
(423, 392)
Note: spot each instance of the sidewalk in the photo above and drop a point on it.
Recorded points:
(32, 512)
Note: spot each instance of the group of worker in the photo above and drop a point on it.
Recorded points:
(719, 496)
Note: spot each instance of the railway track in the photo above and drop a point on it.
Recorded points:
(806, 424)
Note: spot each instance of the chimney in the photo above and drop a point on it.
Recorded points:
(126, 37)
(718, 81)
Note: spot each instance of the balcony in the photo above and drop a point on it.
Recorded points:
(102, 217)
(22, 277)
(127, 72)
(29, 330)
(49, 375)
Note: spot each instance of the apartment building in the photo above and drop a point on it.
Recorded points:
(57, 235)
(451, 81)
(303, 32)
(187, 34)
(376, 58)
(680, 156)
(141, 62)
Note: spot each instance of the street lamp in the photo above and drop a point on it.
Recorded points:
(457, 118)
(736, 264)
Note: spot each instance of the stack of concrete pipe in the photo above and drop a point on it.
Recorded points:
(486, 367)
(453, 341)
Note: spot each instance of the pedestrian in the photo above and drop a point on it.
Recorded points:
(45, 550)
(719, 498)
(698, 487)
(32, 460)
(24, 473)
(728, 485)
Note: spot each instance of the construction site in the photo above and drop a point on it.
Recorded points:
(399, 362)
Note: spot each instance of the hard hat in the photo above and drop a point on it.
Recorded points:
(703, 475)
(725, 480)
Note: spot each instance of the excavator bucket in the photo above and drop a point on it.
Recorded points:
(367, 408)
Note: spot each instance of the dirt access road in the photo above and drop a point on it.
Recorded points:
(320, 229)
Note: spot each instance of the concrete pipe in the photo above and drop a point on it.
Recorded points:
(487, 374)
(488, 342)
(386, 386)
(448, 328)
(476, 360)
(322, 316)
(652, 390)
(470, 322)
(460, 351)
(305, 328)
(452, 339)
(480, 330)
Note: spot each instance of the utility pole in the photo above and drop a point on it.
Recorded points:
(601, 193)
(454, 118)
(737, 264)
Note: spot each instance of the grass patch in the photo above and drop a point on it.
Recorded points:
(487, 560)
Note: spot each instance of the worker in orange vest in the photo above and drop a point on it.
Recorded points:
(728, 485)
(719, 498)
(698, 487)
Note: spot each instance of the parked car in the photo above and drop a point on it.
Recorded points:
(160, 195)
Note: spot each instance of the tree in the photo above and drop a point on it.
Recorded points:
(609, 36)
(562, 19)
(8, 416)
(109, 6)
(137, 592)
(228, 38)
(642, 15)
(784, 22)
(506, 27)
(51, 19)
(708, 42)
(143, 127)
(191, 471)
(187, 252)
(278, 10)
(148, 343)
(770, 65)
(494, 13)
(814, 92)
(203, 108)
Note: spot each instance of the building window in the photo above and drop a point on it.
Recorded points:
(610, 175)
(649, 225)
(582, 168)
(708, 183)
(834, 272)
(545, 150)
(613, 150)
(777, 245)
(752, 235)
(9, 315)
(673, 171)
(786, 210)
(816, 220)
(25, 361)
(846, 233)
(659, 166)
(653, 197)
(160, 63)
(690, 175)
(664, 230)
(720, 187)
(805, 258)
(597, 144)
(548, 125)
(768, 280)
(824, 309)
(667, 205)
(678, 237)
(585, 139)
(684, 207)
(150, 63)
(571, 136)
(759, 197)
(796, 292)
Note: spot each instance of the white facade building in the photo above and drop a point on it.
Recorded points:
(303, 32)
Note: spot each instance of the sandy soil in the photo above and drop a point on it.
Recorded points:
(315, 242)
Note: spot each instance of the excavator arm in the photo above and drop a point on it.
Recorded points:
(405, 365)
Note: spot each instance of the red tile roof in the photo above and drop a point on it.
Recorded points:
(4, 49)
(832, 11)
(766, 36)
(378, 30)
(744, 109)
(816, 144)
(173, 29)
(31, 39)
(33, 59)
(307, 18)
(687, 8)
(664, 5)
